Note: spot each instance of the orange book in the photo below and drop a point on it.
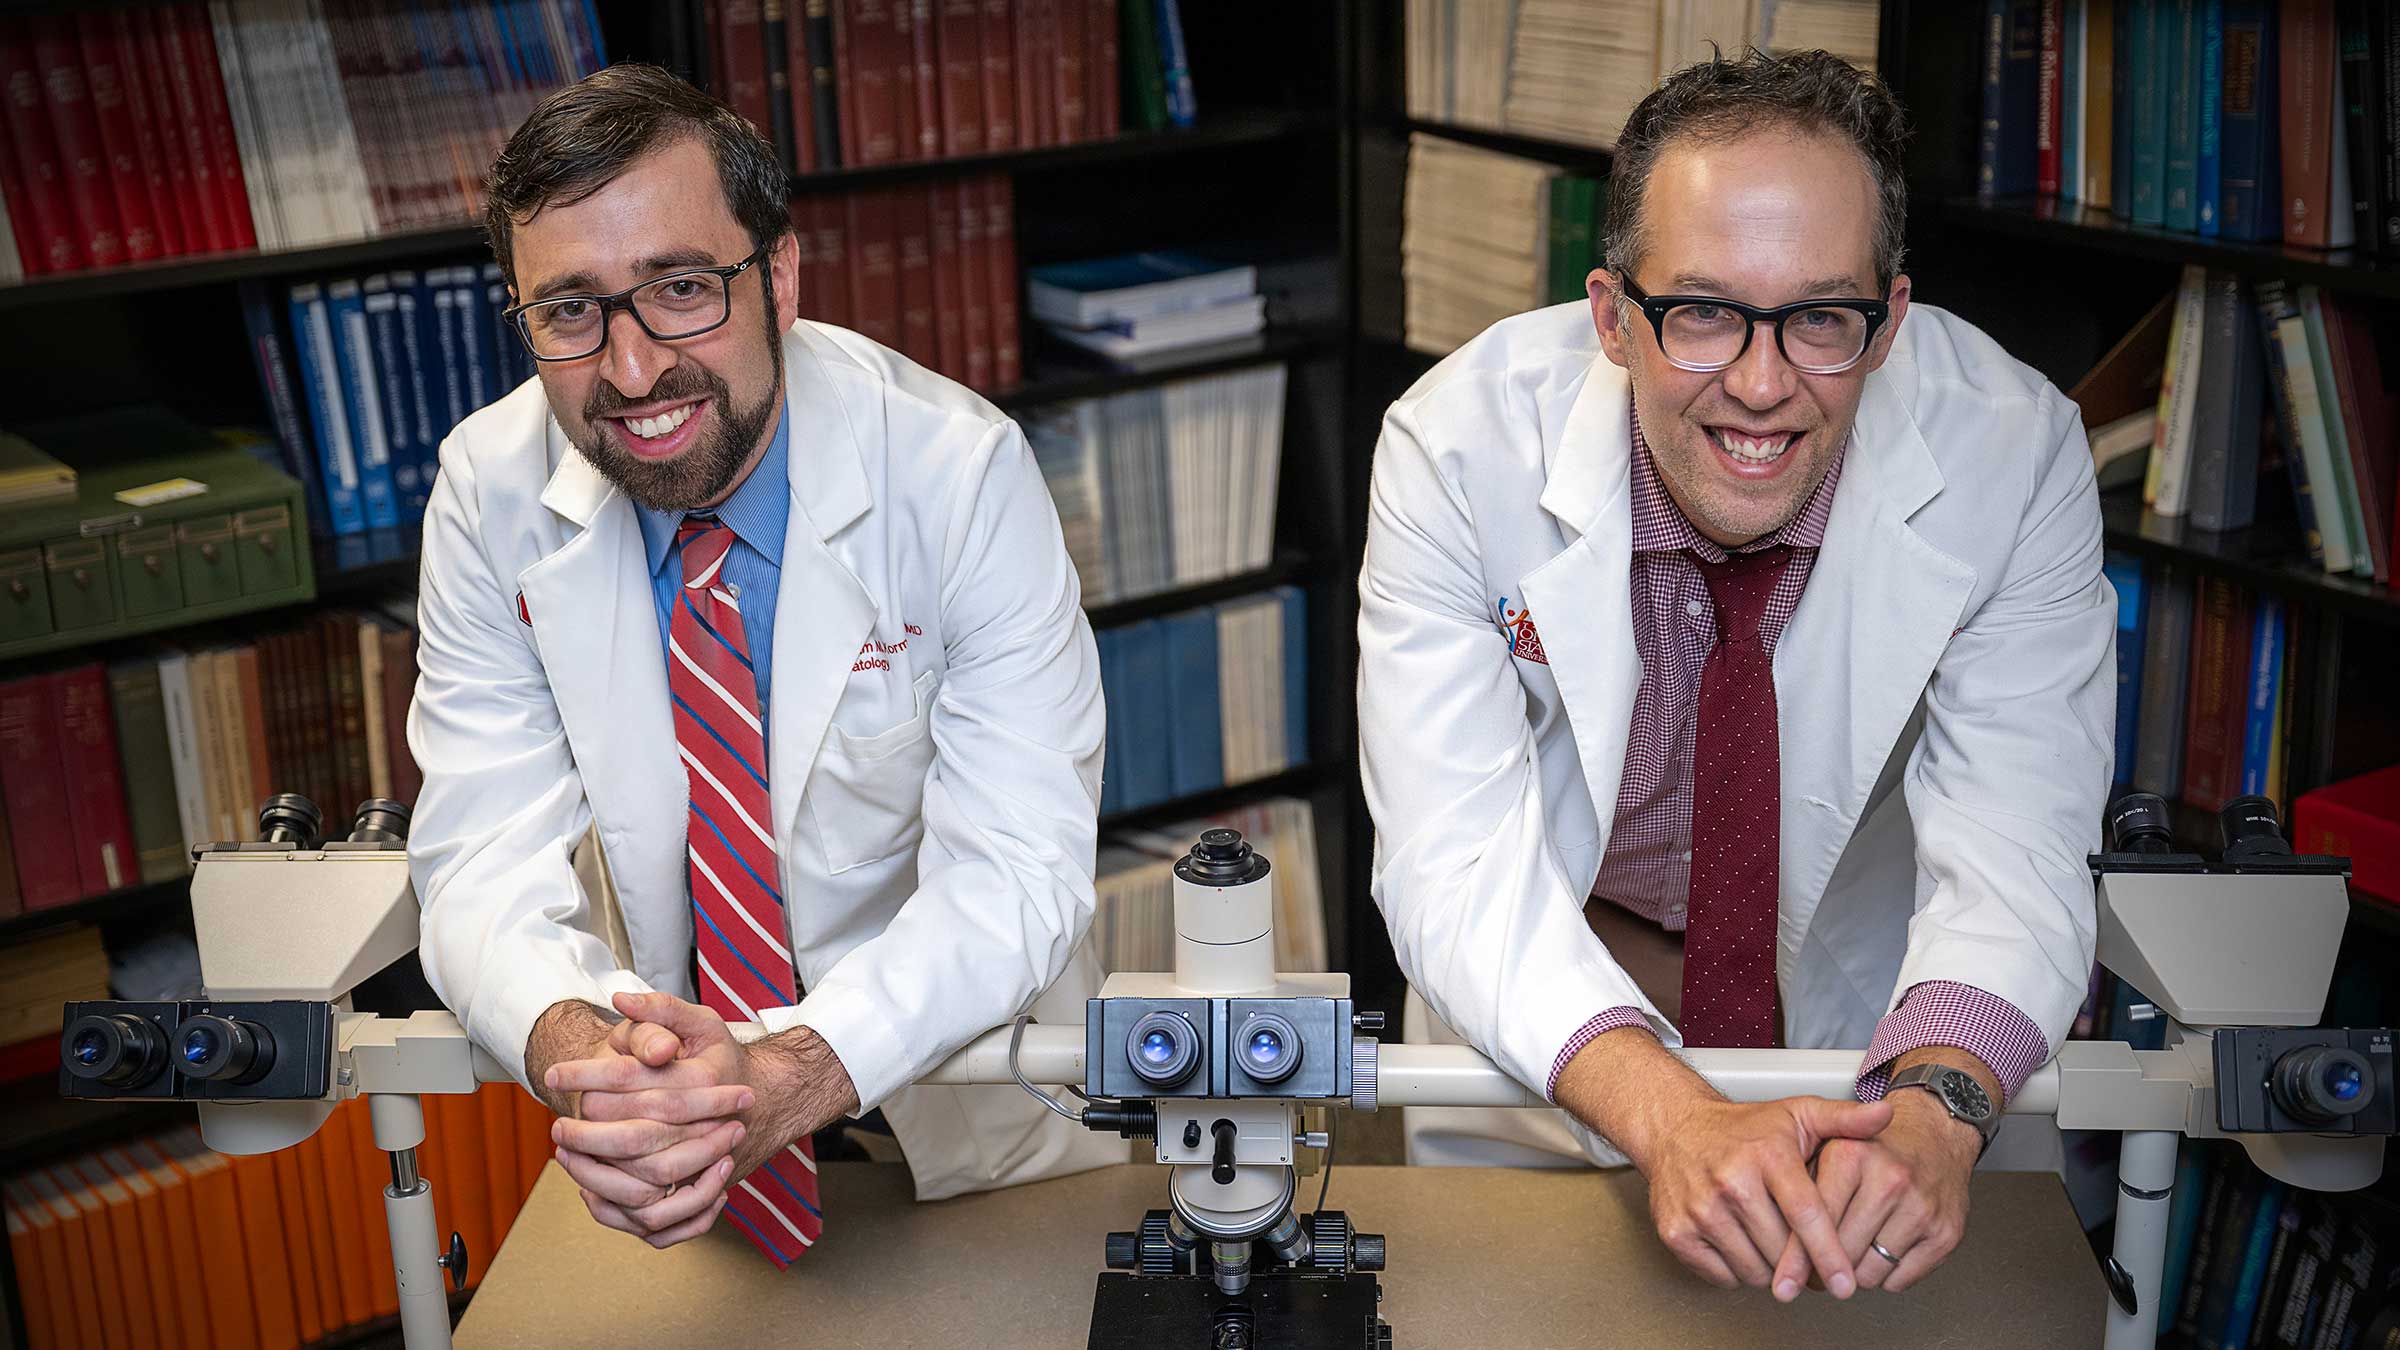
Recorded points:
(470, 1203)
(534, 1149)
(374, 1167)
(217, 1233)
(500, 1157)
(41, 1266)
(123, 1214)
(342, 1208)
(316, 1206)
(266, 1246)
(107, 1274)
(291, 1198)
(188, 1291)
(77, 1313)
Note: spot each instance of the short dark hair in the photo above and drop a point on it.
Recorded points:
(585, 134)
(1719, 100)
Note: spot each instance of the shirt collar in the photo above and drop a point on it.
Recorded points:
(758, 509)
(1659, 525)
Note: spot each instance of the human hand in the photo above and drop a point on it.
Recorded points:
(1905, 1189)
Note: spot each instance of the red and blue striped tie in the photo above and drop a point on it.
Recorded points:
(738, 922)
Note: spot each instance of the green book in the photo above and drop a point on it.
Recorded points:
(1145, 68)
(141, 715)
(1572, 201)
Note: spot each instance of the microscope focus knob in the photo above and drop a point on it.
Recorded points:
(1363, 1059)
(1366, 1251)
(1124, 1251)
(1366, 1021)
(1221, 1168)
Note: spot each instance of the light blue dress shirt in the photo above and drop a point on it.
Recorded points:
(757, 511)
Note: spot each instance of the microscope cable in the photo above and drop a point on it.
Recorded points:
(1016, 1038)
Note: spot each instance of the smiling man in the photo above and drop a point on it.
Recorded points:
(1735, 670)
(789, 620)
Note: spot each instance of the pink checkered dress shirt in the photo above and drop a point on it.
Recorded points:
(1648, 867)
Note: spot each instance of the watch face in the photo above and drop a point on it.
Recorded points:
(1966, 1096)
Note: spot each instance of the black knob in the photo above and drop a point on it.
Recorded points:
(1124, 1251)
(1191, 1134)
(1366, 1251)
(1221, 1172)
(1366, 1021)
(455, 1261)
(289, 818)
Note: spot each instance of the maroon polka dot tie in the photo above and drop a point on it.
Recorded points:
(1737, 787)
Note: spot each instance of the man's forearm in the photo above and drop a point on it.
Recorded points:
(1630, 1089)
(567, 1029)
(802, 1086)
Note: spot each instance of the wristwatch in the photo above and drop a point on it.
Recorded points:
(1957, 1091)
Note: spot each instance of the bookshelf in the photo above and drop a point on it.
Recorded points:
(2041, 220)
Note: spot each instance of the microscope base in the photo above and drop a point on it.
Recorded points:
(1281, 1308)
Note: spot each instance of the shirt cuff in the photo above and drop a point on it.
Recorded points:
(1587, 1033)
(1941, 1012)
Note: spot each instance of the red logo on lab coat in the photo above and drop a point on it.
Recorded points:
(524, 616)
(1524, 642)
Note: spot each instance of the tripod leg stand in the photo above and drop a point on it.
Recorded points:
(408, 1208)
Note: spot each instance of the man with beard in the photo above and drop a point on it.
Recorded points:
(785, 623)
(1735, 670)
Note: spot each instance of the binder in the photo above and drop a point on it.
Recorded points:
(103, 1276)
(316, 1223)
(149, 1313)
(501, 1192)
(373, 1175)
(534, 1148)
(267, 1244)
(217, 1233)
(346, 1216)
(34, 1246)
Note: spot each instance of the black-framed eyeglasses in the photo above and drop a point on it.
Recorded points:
(678, 305)
(1706, 332)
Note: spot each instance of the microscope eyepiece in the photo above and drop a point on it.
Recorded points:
(223, 1048)
(380, 820)
(289, 818)
(118, 1049)
(1221, 858)
(2138, 822)
(1270, 1047)
(1163, 1049)
(2320, 1084)
(2251, 829)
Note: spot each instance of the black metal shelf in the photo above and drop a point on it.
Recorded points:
(2264, 557)
(1059, 373)
(1231, 128)
(41, 1126)
(1296, 781)
(1288, 568)
(1588, 159)
(2048, 220)
(123, 903)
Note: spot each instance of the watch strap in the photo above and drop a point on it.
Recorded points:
(1928, 1076)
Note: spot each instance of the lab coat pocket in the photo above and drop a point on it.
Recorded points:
(867, 794)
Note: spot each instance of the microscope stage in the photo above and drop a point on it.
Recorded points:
(1281, 1309)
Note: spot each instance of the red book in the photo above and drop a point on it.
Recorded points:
(801, 91)
(904, 79)
(927, 89)
(845, 80)
(999, 76)
(399, 689)
(225, 154)
(2217, 706)
(59, 248)
(1070, 48)
(20, 205)
(95, 785)
(2359, 819)
(1000, 238)
(113, 33)
(804, 258)
(123, 167)
(2307, 50)
(163, 40)
(833, 260)
(961, 43)
(1037, 105)
(913, 221)
(82, 160)
(32, 782)
(742, 52)
(872, 66)
(1105, 110)
(975, 272)
(2049, 105)
(875, 266)
(949, 328)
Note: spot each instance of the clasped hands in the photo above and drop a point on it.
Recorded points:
(661, 1113)
(1781, 1194)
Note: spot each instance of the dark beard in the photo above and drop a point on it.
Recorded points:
(703, 473)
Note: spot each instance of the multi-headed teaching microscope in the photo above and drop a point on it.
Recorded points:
(1220, 1063)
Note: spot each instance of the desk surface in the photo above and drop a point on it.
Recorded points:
(1479, 1256)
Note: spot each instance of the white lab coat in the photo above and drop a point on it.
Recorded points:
(934, 745)
(1945, 692)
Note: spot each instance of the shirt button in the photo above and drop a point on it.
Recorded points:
(1693, 608)
(734, 589)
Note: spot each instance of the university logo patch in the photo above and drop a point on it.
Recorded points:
(1524, 642)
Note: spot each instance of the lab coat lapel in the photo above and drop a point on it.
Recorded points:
(822, 615)
(596, 624)
(1853, 662)
(1580, 600)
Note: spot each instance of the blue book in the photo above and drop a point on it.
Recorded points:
(321, 381)
(2266, 694)
(2070, 84)
(2242, 1309)
(2120, 113)
(421, 390)
(390, 353)
(446, 349)
(512, 364)
(1197, 731)
(1112, 696)
(271, 357)
(2149, 55)
(2180, 50)
(1176, 63)
(1142, 657)
(2124, 572)
(2250, 159)
(2207, 179)
(475, 355)
(354, 352)
(1295, 673)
